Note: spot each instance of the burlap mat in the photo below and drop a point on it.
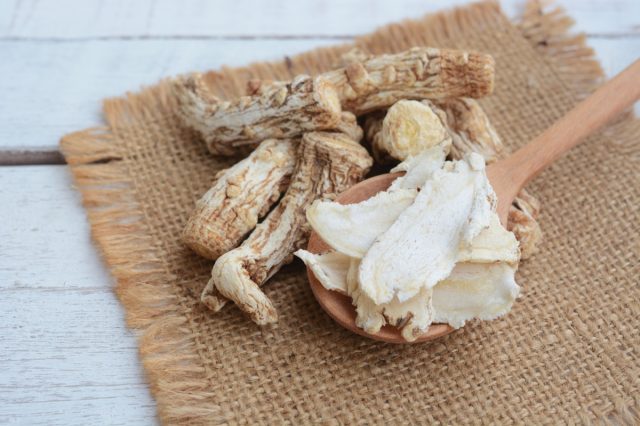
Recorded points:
(568, 352)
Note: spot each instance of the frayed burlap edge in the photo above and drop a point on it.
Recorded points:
(169, 352)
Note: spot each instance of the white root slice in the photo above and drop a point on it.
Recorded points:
(240, 196)
(475, 290)
(408, 128)
(472, 131)
(333, 270)
(493, 244)
(413, 316)
(328, 163)
(369, 316)
(482, 291)
(329, 268)
(420, 167)
(420, 248)
(352, 228)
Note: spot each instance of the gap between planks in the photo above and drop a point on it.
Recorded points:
(21, 157)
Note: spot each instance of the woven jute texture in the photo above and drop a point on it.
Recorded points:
(568, 352)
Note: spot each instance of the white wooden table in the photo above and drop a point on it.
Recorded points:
(66, 357)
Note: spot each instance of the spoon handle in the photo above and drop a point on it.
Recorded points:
(584, 119)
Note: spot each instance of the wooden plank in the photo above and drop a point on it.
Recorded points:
(66, 359)
(242, 18)
(36, 112)
(66, 355)
(44, 237)
(52, 88)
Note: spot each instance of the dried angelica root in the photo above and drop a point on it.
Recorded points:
(276, 110)
(328, 163)
(418, 73)
(349, 126)
(245, 192)
(408, 128)
(258, 87)
(471, 131)
(240, 196)
(348, 123)
(352, 56)
(522, 222)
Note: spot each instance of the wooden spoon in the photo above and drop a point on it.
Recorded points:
(507, 176)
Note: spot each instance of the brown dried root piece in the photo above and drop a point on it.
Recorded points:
(522, 222)
(348, 123)
(240, 196)
(328, 163)
(245, 192)
(349, 126)
(277, 110)
(471, 131)
(258, 87)
(418, 73)
(408, 128)
(352, 56)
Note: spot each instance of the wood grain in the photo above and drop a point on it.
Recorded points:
(66, 354)
(50, 19)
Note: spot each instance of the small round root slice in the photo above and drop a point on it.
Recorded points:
(409, 128)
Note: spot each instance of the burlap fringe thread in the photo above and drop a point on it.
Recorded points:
(171, 357)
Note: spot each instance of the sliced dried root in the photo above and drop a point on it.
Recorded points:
(276, 110)
(420, 248)
(472, 291)
(341, 225)
(413, 317)
(471, 131)
(328, 163)
(240, 196)
(378, 82)
(482, 291)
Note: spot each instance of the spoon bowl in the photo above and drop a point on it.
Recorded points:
(338, 306)
(507, 176)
